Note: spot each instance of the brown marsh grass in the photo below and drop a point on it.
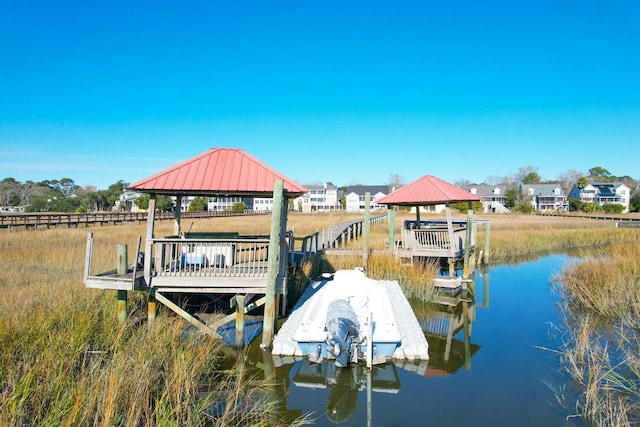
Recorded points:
(66, 360)
(601, 304)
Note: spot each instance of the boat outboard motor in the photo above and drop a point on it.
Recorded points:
(343, 332)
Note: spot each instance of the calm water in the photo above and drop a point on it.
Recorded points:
(491, 372)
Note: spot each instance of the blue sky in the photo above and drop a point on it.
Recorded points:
(341, 91)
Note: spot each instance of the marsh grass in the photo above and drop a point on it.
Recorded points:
(601, 302)
(66, 360)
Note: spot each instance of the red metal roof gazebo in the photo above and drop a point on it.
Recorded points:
(219, 172)
(246, 266)
(428, 190)
(416, 241)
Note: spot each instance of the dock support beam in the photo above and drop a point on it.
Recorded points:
(177, 212)
(366, 227)
(240, 320)
(485, 257)
(452, 268)
(121, 269)
(392, 229)
(269, 321)
(467, 243)
(151, 306)
(148, 245)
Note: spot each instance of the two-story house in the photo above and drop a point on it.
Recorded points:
(319, 198)
(494, 197)
(126, 201)
(545, 197)
(227, 203)
(603, 193)
(355, 197)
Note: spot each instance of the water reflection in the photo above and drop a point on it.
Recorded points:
(294, 382)
(442, 319)
(345, 383)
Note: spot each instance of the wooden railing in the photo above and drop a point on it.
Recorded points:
(305, 246)
(48, 219)
(179, 257)
(435, 241)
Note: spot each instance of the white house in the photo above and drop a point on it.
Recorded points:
(603, 193)
(262, 204)
(227, 203)
(319, 198)
(355, 197)
(126, 201)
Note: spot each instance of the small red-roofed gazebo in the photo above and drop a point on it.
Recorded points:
(202, 263)
(429, 239)
(218, 172)
(428, 190)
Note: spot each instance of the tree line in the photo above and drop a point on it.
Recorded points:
(65, 195)
(517, 200)
(62, 195)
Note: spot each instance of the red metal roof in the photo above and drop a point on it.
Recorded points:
(428, 190)
(219, 171)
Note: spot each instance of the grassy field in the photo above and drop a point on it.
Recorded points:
(66, 360)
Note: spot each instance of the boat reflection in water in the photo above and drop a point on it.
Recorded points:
(300, 386)
(345, 383)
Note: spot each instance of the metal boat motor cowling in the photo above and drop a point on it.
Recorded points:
(343, 332)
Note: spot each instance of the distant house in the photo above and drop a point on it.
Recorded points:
(494, 197)
(604, 193)
(355, 197)
(262, 204)
(319, 198)
(227, 203)
(20, 208)
(126, 201)
(545, 197)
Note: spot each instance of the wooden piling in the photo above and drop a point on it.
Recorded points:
(485, 258)
(121, 269)
(240, 320)
(366, 227)
(392, 230)
(151, 306)
(467, 243)
(176, 218)
(269, 321)
(151, 302)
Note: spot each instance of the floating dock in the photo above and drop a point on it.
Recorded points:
(412, 343)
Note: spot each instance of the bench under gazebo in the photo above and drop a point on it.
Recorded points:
(434, 239)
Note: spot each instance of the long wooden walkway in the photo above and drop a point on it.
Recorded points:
(343, 232)
(74, 220)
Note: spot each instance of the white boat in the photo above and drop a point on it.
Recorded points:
(347, 316)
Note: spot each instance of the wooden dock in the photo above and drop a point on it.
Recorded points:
(212, 264)
(75, 220)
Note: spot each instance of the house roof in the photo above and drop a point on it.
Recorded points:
(428, 190)
(542, 189)
(485, 190)
(218, 172)
(607, 188)
(361, 190)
